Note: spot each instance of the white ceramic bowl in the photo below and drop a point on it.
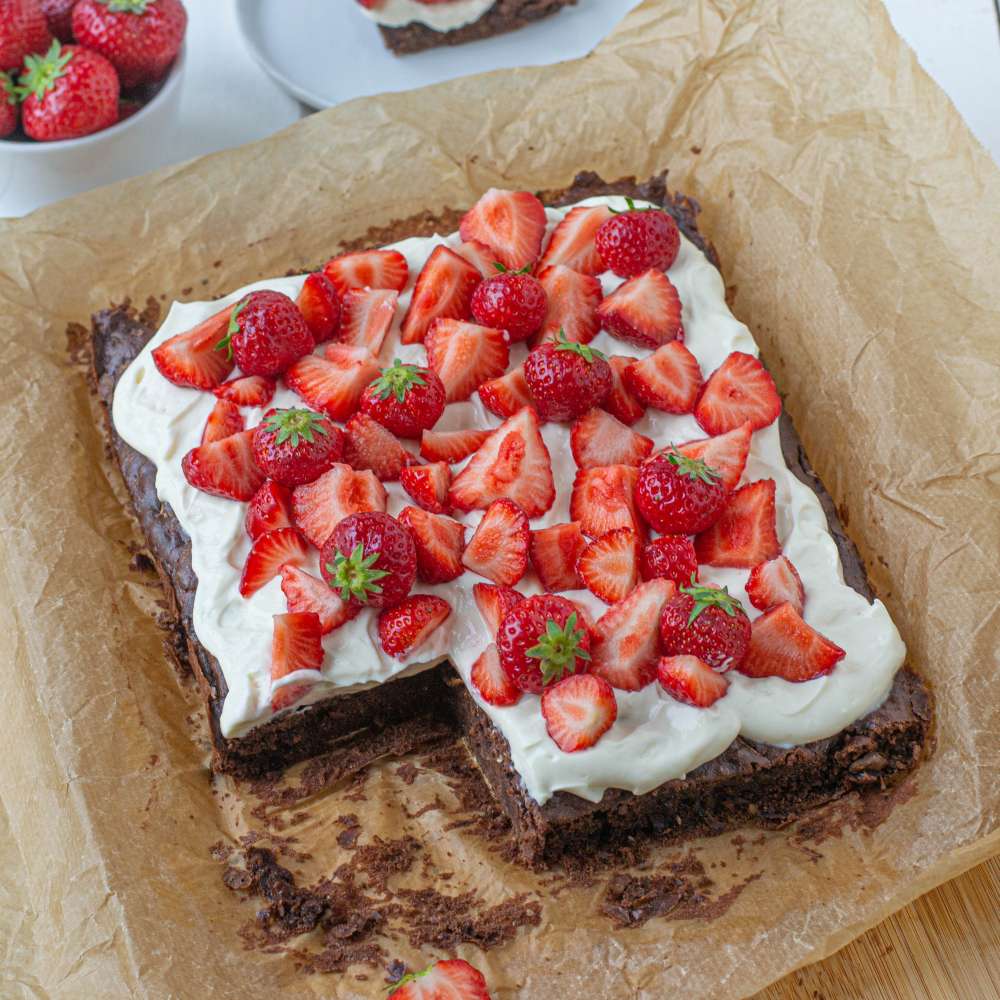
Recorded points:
(33, 174)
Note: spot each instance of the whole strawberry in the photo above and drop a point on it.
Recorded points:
(678, 495)
(266, 334)
(670, 557)
(541, 640)
(405, 399)
(370, 560)
(708, 623)
(634, 241)
(23, 32)
(10, 113)
(296, 446)
(140, 37)
(567, 379)
(514, 301)
(59, 16)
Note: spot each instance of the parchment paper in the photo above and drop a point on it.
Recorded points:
(857, 221)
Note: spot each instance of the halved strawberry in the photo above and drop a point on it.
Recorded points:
(494, 602)
(443, 291)
(645, 310)
(247, 390)
(451, 446)
(572, 241)
(319, 507)
(626, 637)
(480, 256)
(498, 550)
(366, 316)
(269, 553)
(621, 404)
(512, 462)
(224, 468)
(439, 542)
(490, 679)
(464, 356)
(305, 592)
(554, 552)
(225, 419)
(597, 438)
(668, 379)
(506, 395)
(368, 445)
(451, 979)
(297, 644)
(775, 582)
(740, 390)
(783, 645)
(691, 681)
(578, 711)
(428, 485)
(190, 359)
(602, 500)
(572, 300)
(270, 508)
(745, 533)
(368, 269)
(319, 303)
(609, 565)
(510, 223)
(403, 629)
(333, 384)
(726, 454)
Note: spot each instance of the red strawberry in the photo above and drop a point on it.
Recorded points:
(498, 548)
(645, 311)
(296, 446)
(510, 223)
(775, 582)
(554, 553)
(602, 499)
(670, 557)
(480, 256)
(494, 602)
(691, 681)
(190, 358)
(626, 640)
(59, 16)
(225, 419)
(10, 113)
(669, 379)
(621, 404)
(297, 645)
(224, 468)
(678, 495)
(572, 301)
(428, 485)
(249, 390)
(303, 592)
(708, 623)
(566, 379)
(333, 384)
(512, 462)
(726, 454)
(23, 32)
(740, 390)
(451, 979)
(578, 711)
(489, 679)
(451, 446)
(141, 38)
(443, 291)
(269, 553)
(405, 399)
(386, 269)
(320, 506)
(744, 534)
(368, 445)
(366, 317)
(266, 334)
(783, 645)
(512, 301)
(270, 508)
(319, 303)
(609, 565)
(635, 241)
(597, 438)
(465, 356)
(572, 242)
(407, 626)
(439, 542)
(506, 395)
(540, 640)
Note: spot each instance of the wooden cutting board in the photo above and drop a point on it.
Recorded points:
(944, 946)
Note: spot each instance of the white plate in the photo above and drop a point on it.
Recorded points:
(326, 51)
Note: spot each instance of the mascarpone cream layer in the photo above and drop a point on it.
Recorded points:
(437, 16)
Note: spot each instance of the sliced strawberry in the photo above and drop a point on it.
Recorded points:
(428, 485)
(225, 419)
(621, 404)
(443, 291)
(491, 681)
(745, 533)
(319, 303)
(726, 454)
(304, 592)
(512, 462)
(268, 554)
(297, 645)
(506, 395)
(498, 550)
(451, 446)
(452, 979)
(270, 508)
(740, 390)
(510, 223)
(248, 390)
(554, 552)
(572, 241)
(578, 711)
(480, 256)
(368, 445)
(333, 384)
(439, 542)
(626, 637)
(319, 507)
(598, 438)
(691, 681)
(783, 645)
(572, 300)
(669, 379)
(464, 356)
(609, 565)
(368, 269)
(775, 582)
(645, 310)
(494, 602)
(190, 359)
(224, 468)
(602, 500)
(403, 629)
(366, 317)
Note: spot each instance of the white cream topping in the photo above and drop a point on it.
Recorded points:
(655, 738)
(438, 16)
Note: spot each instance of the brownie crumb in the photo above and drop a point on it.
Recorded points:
(407, 772)
(381, 859)
(348, 837)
